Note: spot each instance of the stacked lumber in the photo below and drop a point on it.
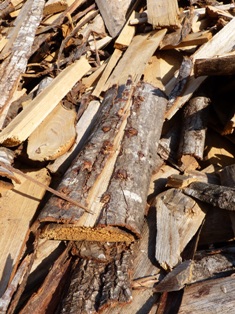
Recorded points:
(117, 168)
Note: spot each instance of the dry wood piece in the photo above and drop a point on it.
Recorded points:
(47, 142)
(178, 219)
(216, 195)
(209, 296)
(220, 65)
(30, 118)
(7, 177)
(122, 198)
(15, 220)
(94, 285)
(193, 134)
(163, 13)
(47, 297)
(221, 43)
(114, 14)
(17, 52)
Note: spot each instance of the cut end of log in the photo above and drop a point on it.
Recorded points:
(77, 233)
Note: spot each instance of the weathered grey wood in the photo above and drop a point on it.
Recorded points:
(216, 195)
(129, 185)
(120, 187)
(178, 219)
(114, 14)
(193, 134)
(210, 296)
(17, 52)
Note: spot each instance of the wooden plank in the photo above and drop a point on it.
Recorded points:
(135, 58)
(163, 13)
(15, 218)
(221, 43)
(29, 119)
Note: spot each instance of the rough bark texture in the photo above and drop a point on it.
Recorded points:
(216, 195)
(193, 135)
(17, 54)
(95, 285)
(117, 162)
(129, 185)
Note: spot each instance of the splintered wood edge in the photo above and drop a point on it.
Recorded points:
(72, 232)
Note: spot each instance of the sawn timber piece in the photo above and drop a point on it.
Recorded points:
(112, 174)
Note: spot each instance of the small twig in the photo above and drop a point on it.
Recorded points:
(59, 194)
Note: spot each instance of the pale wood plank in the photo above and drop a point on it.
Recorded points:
(17, 208)
(29, 119)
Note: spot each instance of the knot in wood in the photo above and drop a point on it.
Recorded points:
(121, 174)
(105, 198)
(131, 132)
(107, 147)
(106, 128)
(87, 165)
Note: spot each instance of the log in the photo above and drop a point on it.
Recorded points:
(219, 65)
(17, 51)
(193, 134)
(94, 286)
(107, 174)
(178, 219)
(163, 13)
(216, 195)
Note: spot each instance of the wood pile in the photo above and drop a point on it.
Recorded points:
(117, 167)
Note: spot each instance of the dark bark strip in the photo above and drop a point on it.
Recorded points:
(215, 66)
(216, 195)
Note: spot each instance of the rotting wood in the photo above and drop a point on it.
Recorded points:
(178, 219)
(216, 195)
(26, 121)
(163, 13)
(114, 14)
(122, 199)
(17, 51)
(193, 133)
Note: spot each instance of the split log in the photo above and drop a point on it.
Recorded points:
(220, 65)
(17, 51)
(114, 14)
(193, 134)
(221, 43)
(163, 13)
(107, 174)
(209, 296)
(178, 219)
(94, 286)
(29, 119)
(216, 195)
(15, 220)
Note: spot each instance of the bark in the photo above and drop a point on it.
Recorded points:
(17, 52)
(109, 171)
(216, 195)
(96, 285)
(193, 135)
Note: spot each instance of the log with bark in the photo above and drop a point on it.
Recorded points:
(107, 176)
